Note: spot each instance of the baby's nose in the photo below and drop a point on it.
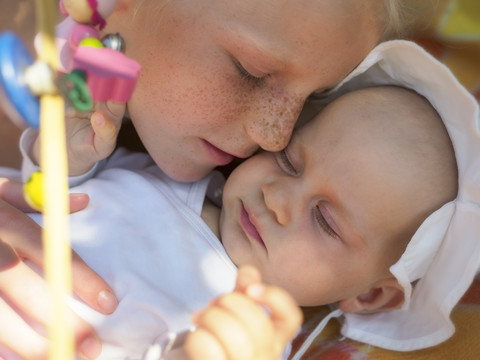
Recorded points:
(277, 201)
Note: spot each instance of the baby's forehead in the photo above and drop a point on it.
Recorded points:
(386, 118)
(374, 106)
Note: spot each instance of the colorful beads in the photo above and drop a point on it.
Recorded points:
(33, 191)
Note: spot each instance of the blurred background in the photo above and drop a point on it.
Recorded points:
(19, 16)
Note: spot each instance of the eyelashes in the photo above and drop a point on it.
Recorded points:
(248, 77)
(324, 223)
(285, 163)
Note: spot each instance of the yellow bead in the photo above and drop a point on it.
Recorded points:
(92, 42)
(33, 191)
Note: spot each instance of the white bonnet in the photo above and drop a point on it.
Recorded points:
(444, 253)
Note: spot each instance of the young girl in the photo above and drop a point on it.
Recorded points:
(218, 80)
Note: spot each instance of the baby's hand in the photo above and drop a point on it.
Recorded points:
(92, 136)
(255, 321)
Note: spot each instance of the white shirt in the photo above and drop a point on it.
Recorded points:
(142, 232)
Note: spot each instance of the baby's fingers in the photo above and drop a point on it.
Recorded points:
(284, 311)
(106, 122)
(247, 276)
(113, 111)
(202, 344)
(229, 335)
(105, 133)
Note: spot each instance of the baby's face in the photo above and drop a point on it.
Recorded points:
(220, 78)
(326, 217)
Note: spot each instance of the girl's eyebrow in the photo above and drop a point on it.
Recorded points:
(262, 50)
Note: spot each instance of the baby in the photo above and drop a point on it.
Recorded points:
(338, 206)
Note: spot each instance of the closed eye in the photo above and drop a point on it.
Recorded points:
(324, 223)
(246, 75)
(285, 163)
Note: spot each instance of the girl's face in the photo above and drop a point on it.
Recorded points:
(221, 78)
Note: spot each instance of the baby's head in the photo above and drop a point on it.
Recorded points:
(221, 78)
(443, 255)
(328, 217)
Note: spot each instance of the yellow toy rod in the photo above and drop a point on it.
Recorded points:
(53, 161)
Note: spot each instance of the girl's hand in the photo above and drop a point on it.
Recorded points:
(24, 300)
(255, 321)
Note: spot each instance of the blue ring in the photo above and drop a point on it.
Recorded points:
(14, 60)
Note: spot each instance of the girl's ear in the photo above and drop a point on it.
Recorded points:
(384, 295)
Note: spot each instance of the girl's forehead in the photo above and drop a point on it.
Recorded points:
(270, 7)
(298, 14)
(314, 36)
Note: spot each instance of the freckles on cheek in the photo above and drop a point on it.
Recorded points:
(147, 91)
(216, 102)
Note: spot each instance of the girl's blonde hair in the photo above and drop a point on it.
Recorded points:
(402, 17)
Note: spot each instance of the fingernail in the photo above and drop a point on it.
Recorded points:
(90, 348)
(77, 195)
(107, 301)
(255, 291)
(98, 118)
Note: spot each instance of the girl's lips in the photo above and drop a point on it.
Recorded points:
(249, 227)
(219, 156)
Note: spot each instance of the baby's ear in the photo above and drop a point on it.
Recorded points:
(384, 295)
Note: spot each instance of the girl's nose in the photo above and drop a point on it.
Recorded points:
(271, 124)
(278, 201)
